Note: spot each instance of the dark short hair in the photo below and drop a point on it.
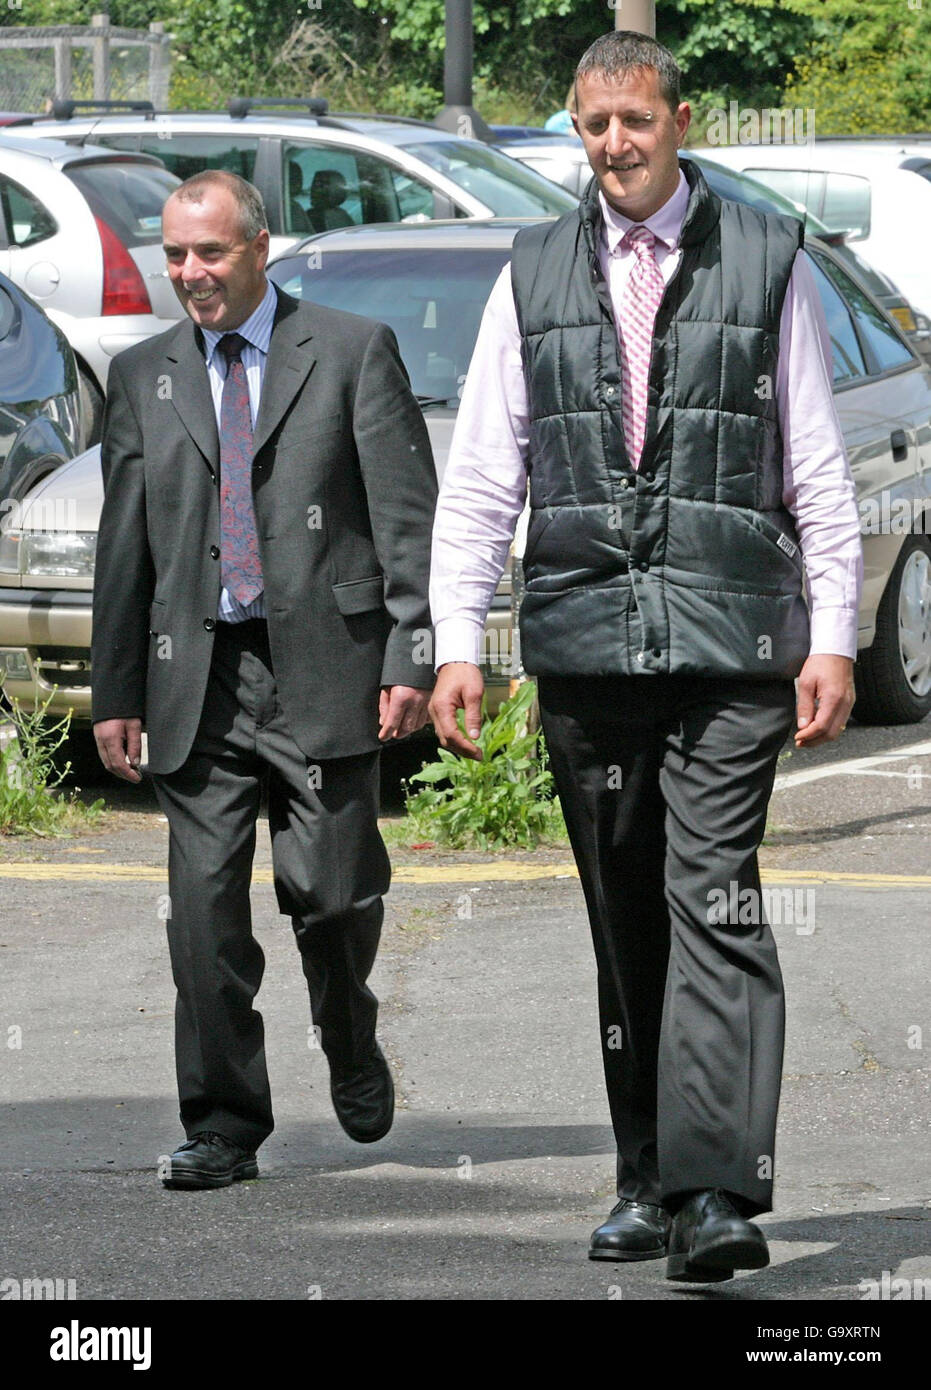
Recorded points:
(252, 219)
(622, 51)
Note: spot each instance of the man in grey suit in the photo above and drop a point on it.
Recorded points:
(260, 604)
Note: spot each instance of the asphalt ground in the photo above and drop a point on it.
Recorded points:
(500, 1162)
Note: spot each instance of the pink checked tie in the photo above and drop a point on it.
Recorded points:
(637, 314)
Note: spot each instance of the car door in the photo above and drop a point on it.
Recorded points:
(883, 399)
(47, 224)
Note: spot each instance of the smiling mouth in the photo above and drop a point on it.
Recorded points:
(624, 168)
(201, 296)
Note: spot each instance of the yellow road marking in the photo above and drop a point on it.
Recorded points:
(499, 871)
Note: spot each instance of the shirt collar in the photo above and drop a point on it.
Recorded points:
(665, 224)
(257, 328)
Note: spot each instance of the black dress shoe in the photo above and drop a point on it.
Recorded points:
(364, 1099)
(209, 1160)
(710, 1239)
(633, 1231)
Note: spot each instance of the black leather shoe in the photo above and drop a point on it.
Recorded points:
(209, 1160)
(633, 1231)
(364, 1099)
(710, 1239)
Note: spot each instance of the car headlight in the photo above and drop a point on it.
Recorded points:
(62, 554)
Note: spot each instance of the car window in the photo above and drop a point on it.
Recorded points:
(883, 342)
(27, 220)
(113, 142)
(186, 155)
(433, 300)
(847, 203)
(841, 201)
(505, 185)
(327, 186)
(128, 197)
(804, 186)
(845, 346)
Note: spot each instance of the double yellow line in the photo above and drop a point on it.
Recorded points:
(494, 871)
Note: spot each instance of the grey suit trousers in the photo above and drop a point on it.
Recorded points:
(665, 782)
(330, 871)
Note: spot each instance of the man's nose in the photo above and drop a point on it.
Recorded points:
(191, 268)
(617, 140)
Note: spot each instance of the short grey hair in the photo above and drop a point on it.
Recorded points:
(252, 219)
(621, 51)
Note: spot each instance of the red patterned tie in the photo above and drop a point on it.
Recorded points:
(637, 314)
(240, 566)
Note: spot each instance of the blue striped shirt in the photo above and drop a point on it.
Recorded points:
(257, 328)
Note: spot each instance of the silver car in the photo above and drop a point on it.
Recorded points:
(319, 171)
(81, 232)
(430, 283)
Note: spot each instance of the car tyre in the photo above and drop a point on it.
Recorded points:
(91, 408)
(893, 676)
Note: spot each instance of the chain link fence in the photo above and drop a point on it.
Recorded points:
(83, 63)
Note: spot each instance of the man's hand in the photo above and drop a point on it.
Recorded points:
(459, 685)
(825, 699)
(402, 710)
(119, 743)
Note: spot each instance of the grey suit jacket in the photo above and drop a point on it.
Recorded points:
(344, 488)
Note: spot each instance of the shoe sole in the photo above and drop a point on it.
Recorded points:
(193, 1179)
(623, 1256)
(718, 1262)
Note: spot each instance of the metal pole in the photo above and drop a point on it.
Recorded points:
(459, 114)
(101, 58)
(62, 68)
(159, 68)
(637, 15)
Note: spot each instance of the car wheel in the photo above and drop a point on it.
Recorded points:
(91, 407)
(893, 676)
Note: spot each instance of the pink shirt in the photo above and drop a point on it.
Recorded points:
(485, 484)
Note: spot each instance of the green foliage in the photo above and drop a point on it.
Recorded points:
(506, 799)
(28, 803)
(865, 100)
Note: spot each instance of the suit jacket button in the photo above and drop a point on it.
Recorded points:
(214, 552)
(209, 624)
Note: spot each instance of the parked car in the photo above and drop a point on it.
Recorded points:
(80, 231)
(563, 159)
(318, 171)
(40, 415)
(40, 426)
(430, 283)
(878, 192)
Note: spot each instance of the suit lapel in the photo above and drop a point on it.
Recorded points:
(289, 364)
(190, 394)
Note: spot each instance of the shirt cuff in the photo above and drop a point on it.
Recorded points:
(458, 639)
(834, 632)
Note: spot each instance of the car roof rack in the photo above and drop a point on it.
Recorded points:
(64, 110)
(239, 107)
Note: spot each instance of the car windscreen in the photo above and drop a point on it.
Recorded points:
(504, 185)
(128, 197)
(433, 300)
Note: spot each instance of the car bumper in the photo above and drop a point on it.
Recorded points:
(99, 340)
(45, 639)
